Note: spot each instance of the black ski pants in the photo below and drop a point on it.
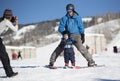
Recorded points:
(69, 55)
(5, 59)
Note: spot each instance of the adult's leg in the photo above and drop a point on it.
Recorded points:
(81, 48)
(56, 53)
(5, 59)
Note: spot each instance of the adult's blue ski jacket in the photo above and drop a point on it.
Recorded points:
(72, 24)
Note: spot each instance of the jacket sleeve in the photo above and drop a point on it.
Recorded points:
(10, 25)
(80, 25)
(62, 24)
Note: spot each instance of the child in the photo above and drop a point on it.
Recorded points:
(68, 49)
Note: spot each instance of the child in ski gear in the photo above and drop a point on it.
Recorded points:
(68, 49)
(7, 22)
(72, 22)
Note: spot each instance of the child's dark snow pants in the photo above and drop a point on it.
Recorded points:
(69, 55)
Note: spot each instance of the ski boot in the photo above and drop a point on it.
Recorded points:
(12, 75)
(91, 63)
(65, 67)
(51, 66)
(73, 67)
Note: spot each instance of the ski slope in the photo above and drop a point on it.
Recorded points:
(34, 70)
(111, 71)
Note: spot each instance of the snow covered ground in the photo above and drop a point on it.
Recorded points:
(34, 70)
(111, 71)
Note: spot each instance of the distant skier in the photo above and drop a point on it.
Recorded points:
(19, 55)
(115, 49)
(6, 22)
(72, 22)
(68, 49)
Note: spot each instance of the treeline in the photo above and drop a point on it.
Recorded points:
(36, 37)
(101, 19)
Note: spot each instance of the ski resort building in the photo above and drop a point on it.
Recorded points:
(26, 52)
(95, 42)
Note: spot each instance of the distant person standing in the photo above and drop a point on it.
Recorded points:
(19, 55)
(72, 23)
(115, 49)
(6, 22)
(14, 56)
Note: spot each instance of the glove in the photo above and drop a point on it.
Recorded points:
(83, 38)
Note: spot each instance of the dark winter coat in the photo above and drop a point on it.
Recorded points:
(68, 49)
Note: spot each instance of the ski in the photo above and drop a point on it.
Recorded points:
(82, 67)
(69, 67)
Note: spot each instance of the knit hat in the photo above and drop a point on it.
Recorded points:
(7, 13)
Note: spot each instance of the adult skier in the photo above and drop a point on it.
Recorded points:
(72, 22)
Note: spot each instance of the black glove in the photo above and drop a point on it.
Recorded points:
(83, 38)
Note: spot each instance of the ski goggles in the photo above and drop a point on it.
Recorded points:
(70, 10)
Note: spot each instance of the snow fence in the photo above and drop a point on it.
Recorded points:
(96, 43)
(26, 52)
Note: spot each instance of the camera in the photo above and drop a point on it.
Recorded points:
(14, 18)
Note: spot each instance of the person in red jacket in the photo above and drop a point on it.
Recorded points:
(14, 56)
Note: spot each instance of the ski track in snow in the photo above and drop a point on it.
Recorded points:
(111, 71)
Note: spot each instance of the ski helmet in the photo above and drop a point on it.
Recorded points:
(70, 7)
(7, 13)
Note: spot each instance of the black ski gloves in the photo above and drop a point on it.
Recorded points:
(83, 38)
